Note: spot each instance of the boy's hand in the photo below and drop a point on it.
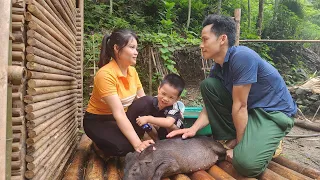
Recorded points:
(142, 120)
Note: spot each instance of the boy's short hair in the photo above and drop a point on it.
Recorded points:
(174, 80)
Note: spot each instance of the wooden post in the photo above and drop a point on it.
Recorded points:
(237, 17)
(5, 19)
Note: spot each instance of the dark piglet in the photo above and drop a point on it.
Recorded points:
(173, 156)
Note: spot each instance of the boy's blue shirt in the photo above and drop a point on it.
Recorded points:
(268, 91)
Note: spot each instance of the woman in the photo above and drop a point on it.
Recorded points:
(116, 85)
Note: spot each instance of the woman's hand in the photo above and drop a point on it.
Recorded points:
(143, 145)
(186, 133)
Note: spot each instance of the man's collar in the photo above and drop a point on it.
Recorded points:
(230, 50)
(115, 66)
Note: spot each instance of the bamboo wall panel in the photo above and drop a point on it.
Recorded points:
(18, 164)
(47, 90)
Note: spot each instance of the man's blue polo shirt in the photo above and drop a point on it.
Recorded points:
(242, 66)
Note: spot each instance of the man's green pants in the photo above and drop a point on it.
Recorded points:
(262, 134)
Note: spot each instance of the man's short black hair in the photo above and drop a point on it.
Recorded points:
(174, 80)
(222, 25)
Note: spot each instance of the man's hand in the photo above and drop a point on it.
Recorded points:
(142, 120)
(186, 133)
(144, 145)
(229, 155)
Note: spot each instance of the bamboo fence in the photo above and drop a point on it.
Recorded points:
(46, 79)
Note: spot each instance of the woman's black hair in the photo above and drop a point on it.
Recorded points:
(121, 38)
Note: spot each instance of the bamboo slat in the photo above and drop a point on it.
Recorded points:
(40, 153)
(43, 97)
(18, 37)
(16, 10)
(50, 30)
(61, 11)
(180, 177)
(63, 65)
(17, 56)
(59, 118)
(17, 18)
(47, 18)
(17, 120)
(227, 167)
(51, 48)
(50, 76)
(41, 90)
(45, 83)
(17, 26)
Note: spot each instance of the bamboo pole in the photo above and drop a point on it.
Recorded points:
(67, 130)
(43, 97)
(46, 31)
(270, 175)
(17, 120)
(15, 156)
(16, 74)
(286, 172)
(18, 3)
(53, 44)
(51, 144)
(15, 147)
(18, 37)
(17, 96)
(76, 168)
(310, 172)
(72, 8)
(17, 104)
(227, 167)
(17, 26)
(44, 83)
(43, 104)
(18, 47)
(16, 129)
(19, 11)
(44, 54)
(16, 137)
(17, 56)
(15, 165)
(16, 112)
(58, 155)
(42, 14)
(201, 175)
(63, 65)
(51, 48)
(307, 125)
(44, 90)
(38, 67)
(50, 76)
(36, 122)
(50, 172)
(17, 18)
(52, 122)
(51, 30)
(95, 168)
(59, 8)
(180, 177)
(219, 174)
(67, 11)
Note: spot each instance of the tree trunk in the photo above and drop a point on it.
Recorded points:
(219, 6)
(249, 15)
(260, 17)
(189, 14)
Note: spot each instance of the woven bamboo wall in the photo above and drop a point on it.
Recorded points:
(47, 105)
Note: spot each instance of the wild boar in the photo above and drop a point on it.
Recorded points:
(173, 156)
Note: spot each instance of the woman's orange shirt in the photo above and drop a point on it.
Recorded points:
(109, 80)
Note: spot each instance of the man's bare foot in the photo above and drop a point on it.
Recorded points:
(231, 143)
(229, 155)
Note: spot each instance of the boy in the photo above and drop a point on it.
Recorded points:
(159, 112)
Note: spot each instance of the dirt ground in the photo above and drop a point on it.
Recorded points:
(305, 151)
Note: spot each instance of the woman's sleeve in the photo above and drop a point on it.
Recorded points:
(105, 83)
(139, 85)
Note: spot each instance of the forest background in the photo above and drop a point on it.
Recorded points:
(173, 26)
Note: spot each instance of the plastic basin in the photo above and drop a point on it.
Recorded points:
(190, 116)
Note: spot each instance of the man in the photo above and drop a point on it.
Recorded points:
(246, 100)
